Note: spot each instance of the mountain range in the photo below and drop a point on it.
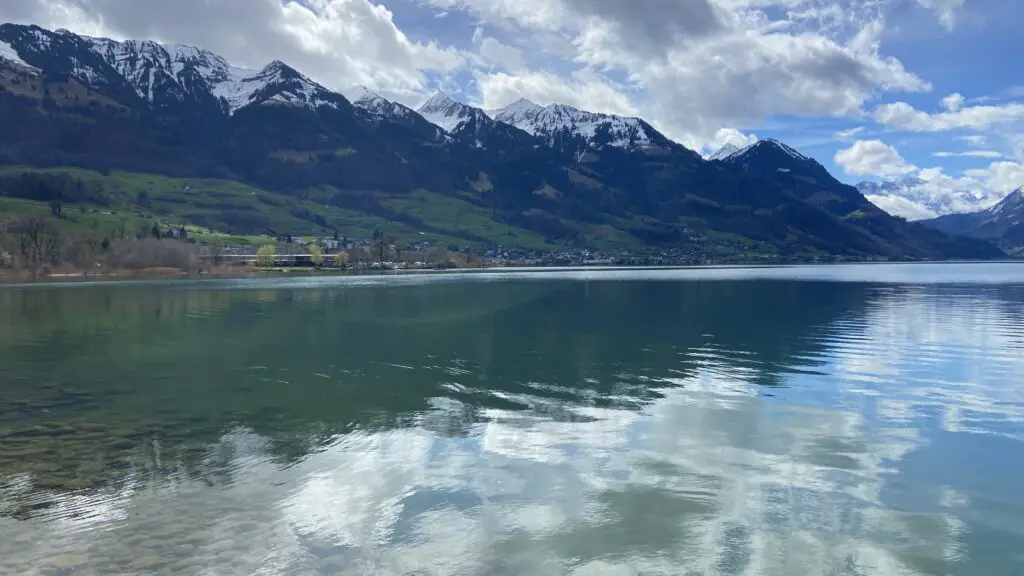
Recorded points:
(1002, 223)
(572, 177)
(918, 199)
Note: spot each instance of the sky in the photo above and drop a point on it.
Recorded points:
(873, 89)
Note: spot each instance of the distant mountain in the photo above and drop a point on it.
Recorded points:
(1002, 223)
(724, 152)
(470, 125)
(917, 199)
(570, 177)
(377, 107)
(572, 130)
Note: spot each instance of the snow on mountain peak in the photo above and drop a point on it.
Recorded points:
(380, 107)
(518, 109)
(724, 152)
(362, 94)
(556, 119)
(760, 145)
(440, 100)
(447, 113)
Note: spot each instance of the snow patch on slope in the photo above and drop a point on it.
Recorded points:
(7, 52)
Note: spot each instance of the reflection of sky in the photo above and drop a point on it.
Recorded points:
(839, 472)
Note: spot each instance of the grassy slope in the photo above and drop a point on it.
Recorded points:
(215, 204)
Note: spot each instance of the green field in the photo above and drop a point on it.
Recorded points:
(225, 208)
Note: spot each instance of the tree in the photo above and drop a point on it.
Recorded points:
(380, 244)
(155, 232)
(341, 260)
(38, 242)
(316, 254)
(265, 255)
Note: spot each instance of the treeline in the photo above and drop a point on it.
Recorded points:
(35, 246)
(56, 189)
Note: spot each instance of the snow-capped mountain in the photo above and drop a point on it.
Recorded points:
(161, 74)
(724, 152)
(562, 126)
(770, 158)
(1002, 223)
(378, 107)
(764, 146)
(917, 199)
(468, 124)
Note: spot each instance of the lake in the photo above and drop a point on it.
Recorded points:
(833, 420)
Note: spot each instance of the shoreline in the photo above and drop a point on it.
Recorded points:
(229, 273)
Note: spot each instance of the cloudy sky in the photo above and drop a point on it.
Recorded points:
(871, 88)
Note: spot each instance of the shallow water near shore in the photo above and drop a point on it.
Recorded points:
(840, 420)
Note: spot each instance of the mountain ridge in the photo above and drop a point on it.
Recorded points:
(1002, 223)
(577, 183)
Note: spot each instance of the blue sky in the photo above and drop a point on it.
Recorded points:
(879, 89)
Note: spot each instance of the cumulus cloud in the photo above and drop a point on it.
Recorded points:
(905, 117)
(873, 158)
(583, 90)
(726, 136)
(904, 207)
(953, 102)
(1002, 177)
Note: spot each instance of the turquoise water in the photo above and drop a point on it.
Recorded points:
(840, 420)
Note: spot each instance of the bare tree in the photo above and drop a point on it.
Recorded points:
(38, 241)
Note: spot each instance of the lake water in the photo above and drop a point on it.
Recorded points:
(840, 420)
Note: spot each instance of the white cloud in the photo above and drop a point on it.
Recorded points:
(1002, 177)
(730, 136)
(583, 90)
(690, 68)
(900, 206)
(873, 158)
(969, 154)
(946, 10)
(973, 140)
(903, 116)
(846, 135)
(953, 102)
(508, 57)
(932, 192)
